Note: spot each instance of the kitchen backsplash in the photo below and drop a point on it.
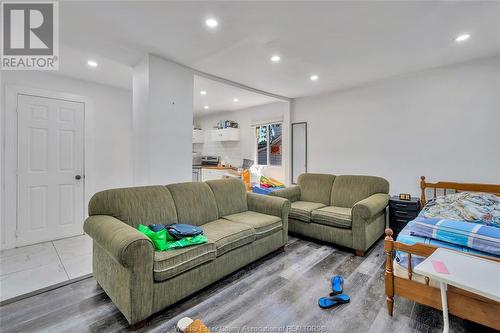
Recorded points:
(229, 151)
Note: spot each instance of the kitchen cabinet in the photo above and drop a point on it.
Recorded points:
(225, 134)
(198, 136)
(210, 174)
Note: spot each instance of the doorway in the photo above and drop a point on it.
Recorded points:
(50, 169)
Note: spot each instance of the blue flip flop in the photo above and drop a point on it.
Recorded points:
(330, 302)
(337, 285)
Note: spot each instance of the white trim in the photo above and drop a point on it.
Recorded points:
(9, 177)
(267, 122)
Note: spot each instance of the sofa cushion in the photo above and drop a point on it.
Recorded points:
(195, 203)
(301, 210)
(168, 264)
(349, 189)
(227, 235)
(230, 194)
(263, 224)
(339, 217)
(315, 187)
(135, 205)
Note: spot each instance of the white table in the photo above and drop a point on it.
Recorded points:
(476, 275)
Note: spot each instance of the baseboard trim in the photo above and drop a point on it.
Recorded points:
(45, 289)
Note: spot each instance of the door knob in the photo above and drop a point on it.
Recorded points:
(78, 177)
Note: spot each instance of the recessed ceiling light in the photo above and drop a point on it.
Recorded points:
(275, 58)
(92, 63)
(462, 38)
(206, 107)
(314, 77)
(203, 92)
(211, 23)
(235, 100)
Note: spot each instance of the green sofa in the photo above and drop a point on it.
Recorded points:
(345, 210)
(140, 281)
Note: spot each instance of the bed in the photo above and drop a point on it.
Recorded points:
(433, 232)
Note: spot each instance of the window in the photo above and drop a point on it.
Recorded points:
(269, 144)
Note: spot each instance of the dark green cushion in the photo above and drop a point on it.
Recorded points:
(135, 205)
(339, 217)
(168, 264)
(349, 189)
(301, 210)
(315, 187)
(263, 224)
(195, 202)
(227, 235)
(230, 194)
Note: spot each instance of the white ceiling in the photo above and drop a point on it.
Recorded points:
(220, 97)
(346, 43)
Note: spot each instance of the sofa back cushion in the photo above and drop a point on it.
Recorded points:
(349, 189)
(230, 194)
(195, 202)
(315, 187)
(135, 205)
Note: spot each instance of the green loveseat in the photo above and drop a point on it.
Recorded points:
(345, 210)
(140, 281)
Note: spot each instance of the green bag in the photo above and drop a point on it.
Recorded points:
(186, 241)
(158, 238)
(163, 241)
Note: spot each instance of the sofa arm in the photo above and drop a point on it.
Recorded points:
(291, 193)
(266, 204)
(125, 244)
(371, 206)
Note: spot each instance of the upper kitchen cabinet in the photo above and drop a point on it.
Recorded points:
(225, 134)
(198, 136)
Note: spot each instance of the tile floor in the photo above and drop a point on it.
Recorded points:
(29, 268)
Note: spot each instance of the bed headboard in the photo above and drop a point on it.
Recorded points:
(457, 187)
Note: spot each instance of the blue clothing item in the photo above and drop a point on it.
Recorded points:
(179, 230)
(156, 227)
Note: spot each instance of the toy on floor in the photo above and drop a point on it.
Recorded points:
(270, 182)
(189, 325)
(336, 296)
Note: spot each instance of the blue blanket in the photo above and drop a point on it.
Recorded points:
(410, 236)
(475, 236)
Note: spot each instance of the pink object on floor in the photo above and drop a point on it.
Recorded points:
(439, 267)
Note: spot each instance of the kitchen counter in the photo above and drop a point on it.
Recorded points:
(213, 167)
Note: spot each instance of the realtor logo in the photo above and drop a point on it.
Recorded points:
(30, 35)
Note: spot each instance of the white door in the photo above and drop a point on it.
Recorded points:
(50, 201)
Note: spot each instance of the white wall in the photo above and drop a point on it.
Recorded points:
(442, 123)
(108, 126)
(235, 152)
(162, 122)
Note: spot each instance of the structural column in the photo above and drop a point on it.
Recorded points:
(162, 121)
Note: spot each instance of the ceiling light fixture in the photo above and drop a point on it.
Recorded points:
(203, 92)
(275, 58)
(462, 38)
(211, 23)
(235, 100)
(92, 63)
(314, 77)
(206, 107)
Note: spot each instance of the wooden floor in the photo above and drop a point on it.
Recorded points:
(280, 290)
